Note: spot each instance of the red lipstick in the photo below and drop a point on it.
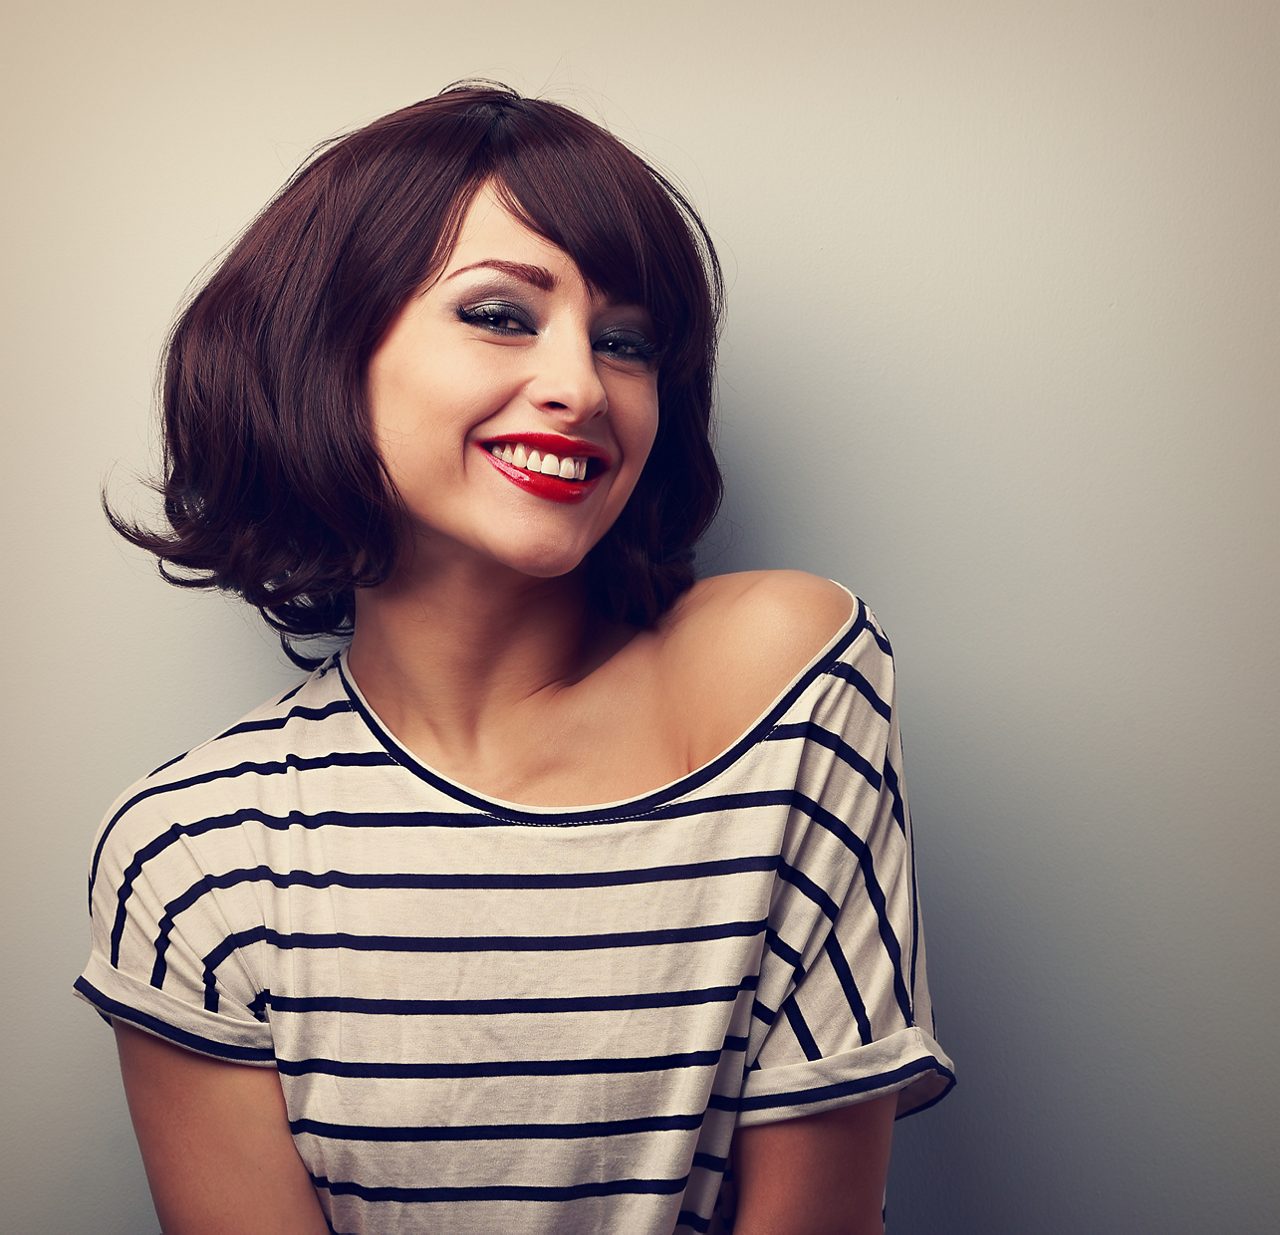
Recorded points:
(552, 488)
(553, 442)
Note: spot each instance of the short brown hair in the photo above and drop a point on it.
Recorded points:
(272, 486)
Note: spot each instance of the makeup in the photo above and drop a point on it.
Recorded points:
(551, 487)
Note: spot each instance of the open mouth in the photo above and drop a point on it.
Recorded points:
(533, 465)
(567, 467)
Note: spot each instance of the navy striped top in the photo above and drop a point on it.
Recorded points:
(492, 1017)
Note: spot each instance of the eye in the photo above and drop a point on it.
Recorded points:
(628, 345)
(496, 316)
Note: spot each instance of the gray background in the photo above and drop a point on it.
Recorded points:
(1000, 355)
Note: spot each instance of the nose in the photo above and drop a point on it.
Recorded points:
(567, 382)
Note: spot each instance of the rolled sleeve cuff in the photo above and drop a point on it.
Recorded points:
(908, 1062)
(117, 996)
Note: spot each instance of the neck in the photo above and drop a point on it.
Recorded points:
(459, 655)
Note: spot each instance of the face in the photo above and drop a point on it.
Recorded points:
(513, 408)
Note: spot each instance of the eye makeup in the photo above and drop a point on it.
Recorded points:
(505, 318)
(497, 316)
(628, 345)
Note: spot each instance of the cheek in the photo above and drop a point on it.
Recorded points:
(637, 447)
(421, 419)
(641, 426)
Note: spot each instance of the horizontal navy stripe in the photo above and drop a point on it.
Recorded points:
(332, 878)
(425, 881)
(144, 1020)
(484, 943)
(423, 1071)
(498, 1007)
(338, 707)
(720, 804)
(497, 1132)
(841, 1089)
(504, 1192)
(465, 943)
(399, 819)
(291, 763)
(275, 722)
(435, 881)
(396, 943)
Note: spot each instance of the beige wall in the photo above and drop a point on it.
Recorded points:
(1001, 355)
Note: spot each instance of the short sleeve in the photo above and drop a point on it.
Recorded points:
(164, 957)
(852, 1018)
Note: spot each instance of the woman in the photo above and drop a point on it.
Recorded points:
(571, 894)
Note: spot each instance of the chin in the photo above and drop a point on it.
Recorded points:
(546, 565)
(540, 552)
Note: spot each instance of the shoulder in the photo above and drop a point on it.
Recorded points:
(780, 615)
(733, 643)
(222, 773)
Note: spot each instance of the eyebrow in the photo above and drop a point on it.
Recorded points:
(538, 276)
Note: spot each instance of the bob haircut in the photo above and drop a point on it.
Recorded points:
(272, 486)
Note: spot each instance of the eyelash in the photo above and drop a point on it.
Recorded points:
(491, 315)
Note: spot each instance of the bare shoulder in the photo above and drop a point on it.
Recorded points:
(779, 614)
(733, 642)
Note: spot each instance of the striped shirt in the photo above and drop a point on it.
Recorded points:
(489, 1017)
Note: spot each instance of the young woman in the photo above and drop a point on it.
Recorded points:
(571, 893)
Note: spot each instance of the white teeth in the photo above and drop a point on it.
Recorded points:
(567, 468)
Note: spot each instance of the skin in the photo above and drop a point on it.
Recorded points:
(479, 648)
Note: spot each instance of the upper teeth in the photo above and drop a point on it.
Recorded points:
(567, 468)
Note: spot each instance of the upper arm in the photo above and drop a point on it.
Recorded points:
(820, 1174)
(215, 1142)
(213, 1130)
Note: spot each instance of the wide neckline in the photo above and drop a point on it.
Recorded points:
(629, 807)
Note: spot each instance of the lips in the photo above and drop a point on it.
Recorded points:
(577, 464)
(554, 443)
